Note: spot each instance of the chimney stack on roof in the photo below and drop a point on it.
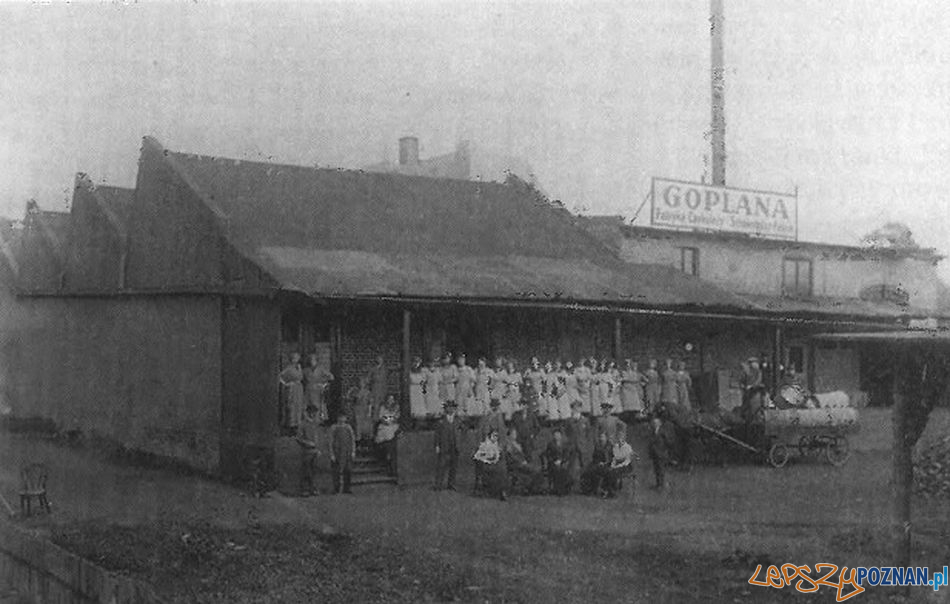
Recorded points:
(408, 151)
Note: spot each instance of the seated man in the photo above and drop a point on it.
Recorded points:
(557, 462)
(524, 477)
(621, 464)
(595, 476)
(490, 468)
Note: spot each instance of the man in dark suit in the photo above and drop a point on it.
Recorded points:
(448, 436)
(662, 441)
(525, 422)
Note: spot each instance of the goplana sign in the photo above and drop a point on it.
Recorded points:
(687, 205)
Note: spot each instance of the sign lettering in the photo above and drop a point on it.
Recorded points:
(688, 205)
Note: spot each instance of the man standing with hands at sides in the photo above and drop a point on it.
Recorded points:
(662, 440)
(447, 440)
(342, 452)
(307, 439)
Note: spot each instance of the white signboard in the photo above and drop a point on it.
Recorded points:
(688, 205)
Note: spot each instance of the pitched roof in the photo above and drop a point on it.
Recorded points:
(839, 306)
(117, 199)
(344, 233)
(650, 232)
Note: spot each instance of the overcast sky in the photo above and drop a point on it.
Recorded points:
(846, 100)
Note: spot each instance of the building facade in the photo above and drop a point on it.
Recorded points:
(813, 285)
(159, 317)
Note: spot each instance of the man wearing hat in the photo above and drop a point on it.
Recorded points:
(611, 425)
(661, 443)
(527, 426)
(448, 435)
(495, 420)
(579, 438)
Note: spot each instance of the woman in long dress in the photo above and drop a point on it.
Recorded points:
(315, 382)
(569, 387)
(683, 384)
(512, 391)
(363, 410)
(534, 380)
(417, 399)
(499, 386)
(613, 387)
(432, 377)
(291, 379)
(483, 378)
(631, 387)
(490, 468)
(448, 376)
(651, 388)
(582, 378)
(464, 387)
(549, 387)
(597, 376)
(668, 388)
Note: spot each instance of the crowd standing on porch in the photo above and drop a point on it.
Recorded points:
(600, 386)
(585, 407)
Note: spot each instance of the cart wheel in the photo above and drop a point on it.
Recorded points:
(838, 451)
(778, 455)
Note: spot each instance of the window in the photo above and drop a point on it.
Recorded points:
(689, 260)
(796, 277)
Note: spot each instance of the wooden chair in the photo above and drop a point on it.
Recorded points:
(33, 485)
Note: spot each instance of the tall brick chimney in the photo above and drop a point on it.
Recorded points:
(408, 151)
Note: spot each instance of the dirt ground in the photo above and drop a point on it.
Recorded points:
(197, 540)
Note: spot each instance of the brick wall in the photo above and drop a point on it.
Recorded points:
(366, 333)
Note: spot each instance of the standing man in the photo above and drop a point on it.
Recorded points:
(611, 425)
(342, 452)
(662, 441)
(448, 435)
(495, 420)
(525, 421)
(307, 439)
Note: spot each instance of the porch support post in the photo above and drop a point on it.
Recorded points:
(406, 364)
(618, 335)
(777, 346)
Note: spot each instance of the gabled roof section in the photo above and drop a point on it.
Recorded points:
(279, 205)
(118, 200)
(351, 233)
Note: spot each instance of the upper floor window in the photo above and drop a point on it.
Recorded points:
(689, 260)
(796, 277)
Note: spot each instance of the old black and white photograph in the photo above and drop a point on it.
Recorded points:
(488, 301)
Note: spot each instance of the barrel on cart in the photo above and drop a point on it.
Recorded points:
(821, 432)
(818, 425)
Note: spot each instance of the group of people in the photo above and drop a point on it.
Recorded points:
(507, 459)
(552, 388)
(302, 387)
(583, 404)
